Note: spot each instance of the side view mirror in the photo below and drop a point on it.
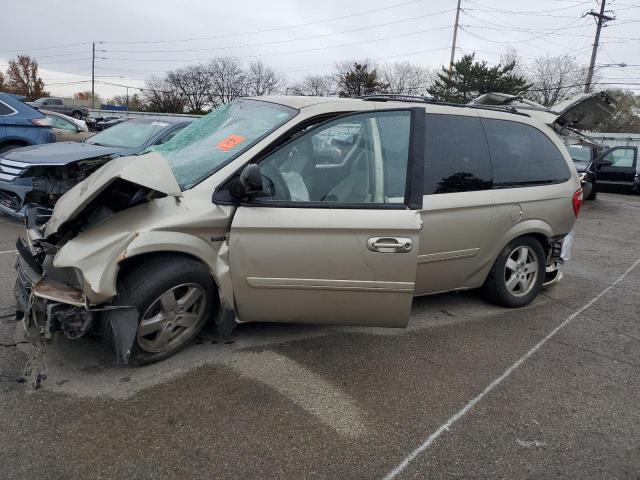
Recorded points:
(604, 162)
(249, 183)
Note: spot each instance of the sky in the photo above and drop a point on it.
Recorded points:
(139, 38)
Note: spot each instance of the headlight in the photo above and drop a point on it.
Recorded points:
(582, 176)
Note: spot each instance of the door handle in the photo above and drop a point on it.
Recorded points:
(389, 244)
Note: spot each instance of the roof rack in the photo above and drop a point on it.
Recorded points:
(397, 97)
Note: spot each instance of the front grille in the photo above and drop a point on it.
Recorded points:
(10, 200)
(10, 169)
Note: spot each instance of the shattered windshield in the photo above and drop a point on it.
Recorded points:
(127, 134)
(214, 140)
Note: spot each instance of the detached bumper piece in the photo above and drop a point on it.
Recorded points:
(553, 275)
(46, 306)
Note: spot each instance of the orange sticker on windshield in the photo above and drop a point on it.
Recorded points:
(230, 142)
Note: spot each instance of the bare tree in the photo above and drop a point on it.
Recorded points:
(87, 96)
(406, 78)
(161, 96)
(23, 79)
(263, 80)
(511, 56)
(194, 83)
(228, 80)
(313, 85)
(555, 79)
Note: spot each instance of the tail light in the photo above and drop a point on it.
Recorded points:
(577, 202)
(42, 122)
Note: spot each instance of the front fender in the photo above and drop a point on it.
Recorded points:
(100, 265)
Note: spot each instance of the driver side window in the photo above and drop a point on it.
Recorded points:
(357, 159)
(621, 157)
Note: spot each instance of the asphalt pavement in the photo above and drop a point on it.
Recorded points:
(468, 390)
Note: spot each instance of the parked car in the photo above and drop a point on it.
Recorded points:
(67, 129)
(98, 124)
(238, 219)
(569, 118)
(41, 174)
(61, 105)
(21, 125)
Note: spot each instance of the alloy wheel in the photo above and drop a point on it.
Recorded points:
(521, 271)
(172, 317)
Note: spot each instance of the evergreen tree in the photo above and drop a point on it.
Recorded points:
(360, 80)
(468, 79)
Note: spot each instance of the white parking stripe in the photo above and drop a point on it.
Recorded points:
(306, 389)
(462, 412)
(10, 251)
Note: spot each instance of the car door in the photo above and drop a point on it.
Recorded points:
(617, 166)
(64, 130)
(339, 249)
(458, 204)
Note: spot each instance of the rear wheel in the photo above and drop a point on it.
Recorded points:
(77, 115)
(518, 273)
(174, 296)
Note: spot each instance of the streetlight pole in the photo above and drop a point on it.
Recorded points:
(93, 75)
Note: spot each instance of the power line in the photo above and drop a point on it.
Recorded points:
(380, 39)
(274, 29)
(276, 42)
(45, 48)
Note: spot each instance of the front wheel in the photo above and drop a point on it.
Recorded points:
(77, 115)
(593, 195)
(174, 297)
(518, 273)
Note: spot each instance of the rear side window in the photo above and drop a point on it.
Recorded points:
(5, 109)
(457, 155)
(522, 155)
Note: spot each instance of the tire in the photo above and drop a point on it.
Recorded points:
(594, 192)
(10, 146)
(77, 115)
(158, 287)
(506, 284)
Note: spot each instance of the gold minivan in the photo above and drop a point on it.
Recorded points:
(301, 210)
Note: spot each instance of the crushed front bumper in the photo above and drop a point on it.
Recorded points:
(46, 306)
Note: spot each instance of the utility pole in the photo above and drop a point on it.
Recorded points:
(455, 36)
(93, 76)
(602, 18)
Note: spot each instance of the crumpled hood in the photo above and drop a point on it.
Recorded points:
(59, 153)
(151, 171)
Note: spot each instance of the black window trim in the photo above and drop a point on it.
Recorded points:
(415, 166)
(525, 184)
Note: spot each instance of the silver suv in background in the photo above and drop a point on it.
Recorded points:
(302, 210)
(61, 105)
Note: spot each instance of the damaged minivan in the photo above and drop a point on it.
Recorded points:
(302, 210)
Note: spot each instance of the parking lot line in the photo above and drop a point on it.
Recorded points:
(495, 383)
(10, 251)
